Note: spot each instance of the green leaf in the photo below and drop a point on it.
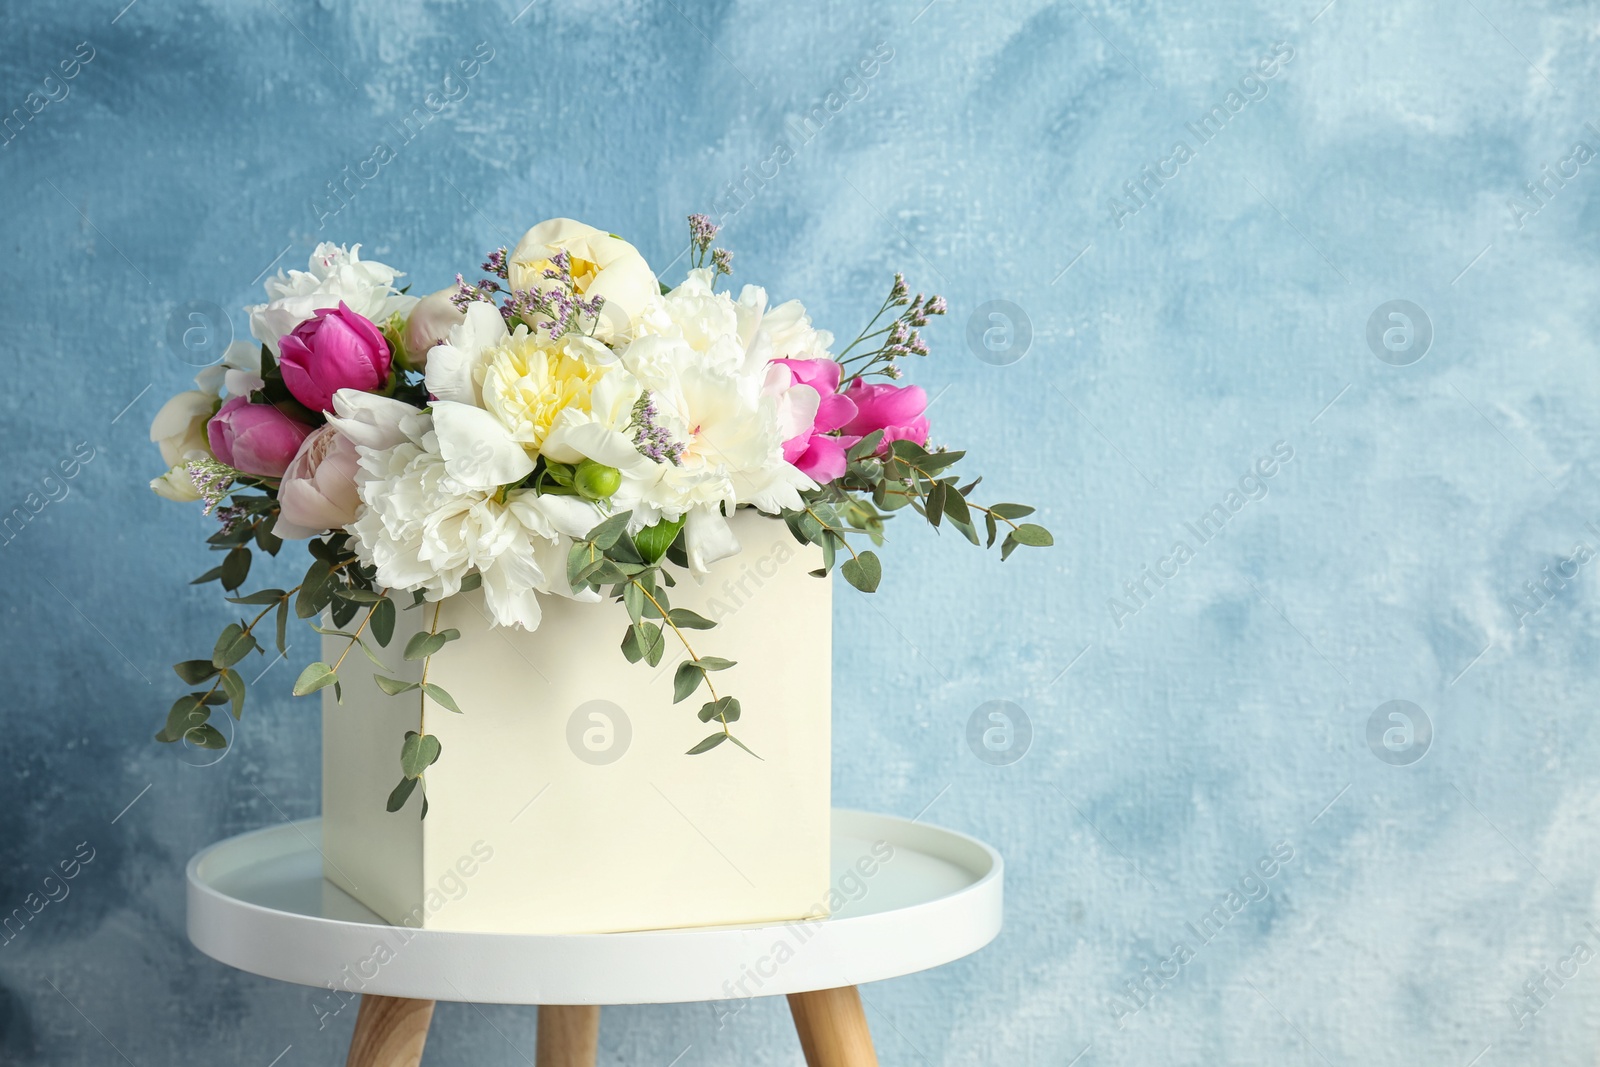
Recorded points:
(633, 599)
(235, 568)
(1010, 511)
(955, 505)
(314, 677)
(394, 686)
(269, 541)
(992, 527)
(687, 680)
(867, 446)
(382, 622)
(440, 697)
(907, 450)
(195, 671)
(186, 713)
(708, 744)
(644, 641)
(418, 753)
(209, 576)
(934, 462)
(723, 709)
(283, 626)
(262, 596)
(606, 534)
(401, 794)
(343, 610)
(864, 571)
(1029, 534)
(715, 663)
(744, 746)
(313, 596)
(355, 595)
(205, 736)
(471, 582)
(580, 556)
(684, 619)
(1008, 546)
(233, 646)
(424, 644)
(233, 685)
(933, 504)
(653, 541)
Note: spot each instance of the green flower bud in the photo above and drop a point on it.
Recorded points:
(596, 481)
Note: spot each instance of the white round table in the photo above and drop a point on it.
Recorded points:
(259, 902)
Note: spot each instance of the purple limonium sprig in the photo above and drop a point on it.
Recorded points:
(496, 264)
(882, 346)
(652, 440)
(212, 480)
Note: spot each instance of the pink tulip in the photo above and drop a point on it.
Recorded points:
(318, 491)
(334, 349)
(897, 410)
(258, 439)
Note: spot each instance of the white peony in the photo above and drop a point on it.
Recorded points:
(422, 529)
(336, 274)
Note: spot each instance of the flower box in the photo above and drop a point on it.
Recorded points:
(552, 810)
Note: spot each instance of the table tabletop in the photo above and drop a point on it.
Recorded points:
(906, 896)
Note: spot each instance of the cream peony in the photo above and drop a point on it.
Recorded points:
(335, 274)
(429, 324)
(602, 265)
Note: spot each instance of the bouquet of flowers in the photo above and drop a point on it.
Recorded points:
(564, 426)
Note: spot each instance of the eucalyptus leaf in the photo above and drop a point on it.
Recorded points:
(440, 697)
(686, 680)
(417, 753)
(394, 686)
(382, 622)
(316, 676)
(684, 619)
(708, 744)
(424, 644)
(864, 571)
(233, 685)
(401, 794)
(195, 671)
(1030, 534)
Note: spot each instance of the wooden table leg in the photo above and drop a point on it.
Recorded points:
(833, 1028)
(390, 1032)
(569, 1035)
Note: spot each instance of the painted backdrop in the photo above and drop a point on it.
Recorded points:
(1284, 313)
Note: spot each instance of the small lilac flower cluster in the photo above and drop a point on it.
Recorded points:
(702, 231)
(212, 480)
(900, 337)
(653, 440)
(555, 310)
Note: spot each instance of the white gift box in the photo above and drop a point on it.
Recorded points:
(563, 800)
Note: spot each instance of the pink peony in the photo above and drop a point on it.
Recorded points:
(258, 439)
(334, 349)
(894, 409)
(815, 452)
(318, 491)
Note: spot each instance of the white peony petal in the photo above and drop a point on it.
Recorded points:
(478, 451)
(453, 367)
(707, 538)
(369, 420)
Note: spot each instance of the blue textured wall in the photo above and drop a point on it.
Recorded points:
(1180, 332)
